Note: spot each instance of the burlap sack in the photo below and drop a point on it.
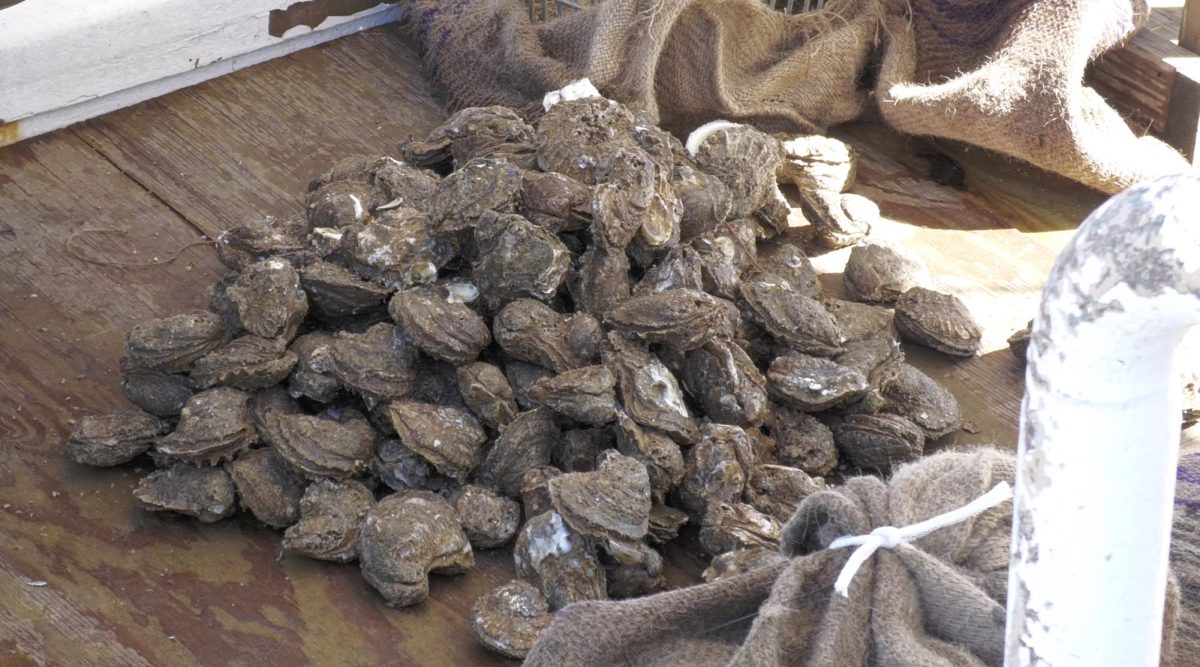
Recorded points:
(1003, 74)
(938, 602)
(1185, 560)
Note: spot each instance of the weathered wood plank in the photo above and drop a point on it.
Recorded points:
(247, 144)
(1189, 26)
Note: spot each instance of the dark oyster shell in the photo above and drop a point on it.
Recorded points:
(510, 618)
(661, 456)
(340, 204)
(800, 321)
(449, 438)
(480, 186)
(440, 327)
(531, 331)
(523, 444)
(586, 395)
(556, 202)
(939, 321)
(487, 393)
(580, 448)
(246, 363)
(171, 344)
(377, 364)
(634, 198)
(880, 272)
(398, 250)
(405, 537)
(307, 381)
(161, 394)
(256, 240)
(718, 468)
(267, 487)
(334, 292)
(839, 220)
(612, 502)
(788, 262)
(649, 392)
(559, 560)
(679, 318)
(875, 356)
(604, 281)
(803, 442)
(113, 439)
(576, 135)
(488, 519)
(330, 514)
(213, 427)
(204, 493)
(705, 200)
(535, 489)
(680, 268)
(923, 401)
(860, 320)
(635, 569)
(777, 490)
(269, 300)
(812, 384)
(730, 526)
(665, 522)
(322, 447)
(745, 160)
(741, 561)
(1018, 343)
(401, 469)
(723, 379)
(476, 132)
(879, 442)
(521, 377)
(517, 259)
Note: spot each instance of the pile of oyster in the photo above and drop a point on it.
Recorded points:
(567, 339)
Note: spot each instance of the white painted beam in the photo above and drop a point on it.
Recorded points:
(63, 61)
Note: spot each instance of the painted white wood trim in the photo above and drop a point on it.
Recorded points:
(63, 61)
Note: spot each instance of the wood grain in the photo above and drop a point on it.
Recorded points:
(1189, 26)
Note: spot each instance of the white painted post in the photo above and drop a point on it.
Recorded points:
(1100, 434)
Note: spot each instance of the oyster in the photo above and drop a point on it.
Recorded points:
(449, 438)
(487, 393)
(586, 395)
(246, 363)
(440, 327)
(482, 185)
(531, 331)
(705, 200)
(517, 259)
(398, 250)
(1018, 343)
(334, 292)
(304, 379)
(161, 394)
(741, 561)
(489, 520)
(802, 441)
(556, 202)
(401, 469)
(634, 198)
(113, 439)
(521, 377)
(635, 569)
(879, 442)
(339, 204)
(649, 392)
(730, 526)
(561, 562)
(267, 487)
(936, 320)
(523, 444)
(204, 493)
(583, 336)
(679, 318)
(405, 537)
(839, 220)
(800, 321)
(603, 282)
(880, 272)
(745, 160)
(876, 356)
(510, 618)
(322, 447)
(580, 448)
(535, 489)
(377, 364)
(269, 300)
(723, 379)
(330, 514)
(718, 468)
(777, 490)
(661, 456)
(402, 184)
(171, 344)
(256, 240)
(789, 263)
(576, 135)
(815, 162)
(476, 132)
(214, 426)
(612, 502)
(679, 269)
(860, 320)
(923, 401)
(665, 522)
(812, 384)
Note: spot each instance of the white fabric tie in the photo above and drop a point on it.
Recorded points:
(889, 537)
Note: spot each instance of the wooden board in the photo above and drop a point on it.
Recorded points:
(124, 587)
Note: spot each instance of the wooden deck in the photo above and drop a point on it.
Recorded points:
(98, 231)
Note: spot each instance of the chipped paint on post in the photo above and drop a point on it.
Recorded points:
(1100, 432)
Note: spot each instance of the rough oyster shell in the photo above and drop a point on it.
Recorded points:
(487, 393)
(936, 320)
(442, 328)
(256, 240)
(580, 448)
(777, 490)
(476, 132)
(649, 392)
(377, 364)
(812, 384)
(214, 426)
(322, 447)
(405, 537)
(517, 259)
(860, 320)
(449, 438)
(304, 379)
(398, 250)
(246, 363)
(879, 272)
(723, 379)
(929, 405)
(800, 321)
(879, 442)
(204, 493)
(161, 394)
(611, 503)
(575, 135)
(479, 186)
(269, 300)
(586, 395)
(788, 262)
(802, 441)
(510, 618)
(401, 469)
(839, 220)
(171, 344)
(603, 281)
(1018, 343)
(634, 198)
(679, 318)
(730, 526)
(659, 453)
(680, 268)
(556, 202)
(330, 514)
(815, 162)
(113, 439)
(535, 489)
(488, 519)
(523, 444)
(665, 522)
(705, 200)
(531, 331)
(745, 160)
(340, 204)
(335, 293)
(521, 377)
(559, 560)
(717, 469)
(267, 487)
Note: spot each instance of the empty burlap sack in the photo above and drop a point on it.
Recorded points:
(937, 602)
(1004, 74)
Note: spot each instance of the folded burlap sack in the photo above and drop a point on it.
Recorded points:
(938, 601)
(1003, 74)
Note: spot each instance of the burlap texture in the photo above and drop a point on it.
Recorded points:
(937, 602)
(1185, 560)
(1003, 74)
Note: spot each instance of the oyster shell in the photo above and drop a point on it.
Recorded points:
(523, 444)
(269, 300)
(815, 162)
(113, 439)
(936, 320)
(635, 569)
(402, 184)
(603, 282)
(304, 379)
(535, 489)
(477, 132)
(730, 526)
(161, 394)
(678, 269)
(741, 561)
(789, 263)
(556, 202)
(661, 456)
(398, 250)
(802, 441)
(812, 384)
(510, 618)
(583, 336)
(521, 377)
(611, 503)
(377, 364)
(449, 438)
(340, 204)
(405, 537)
(861, 320)
(705, 200)
(725, 253)
(206, 494)
(330, 514)
(246, 363)
(322, 447)
(879, 442)
(335, 293)
(267, 487)
(923, 401)
(401, 469)
(839, 220)
(559, 560)
(745, 160)
(634, 198)
(879, 272)
(665, 522)
(679, 318)
(875, 356)
(531, 331)
(480, 186)
(717, 469)
(488, 519)
(171, 344)
(442, 328)
(517, 259)
(580, 448)
(1018, 343)
(214, 426)
(586, 395)
(487, 393)
(723, 379)
(576, 135)
(800, 321)
(649, 392)
(777, 490)
(256, 240)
